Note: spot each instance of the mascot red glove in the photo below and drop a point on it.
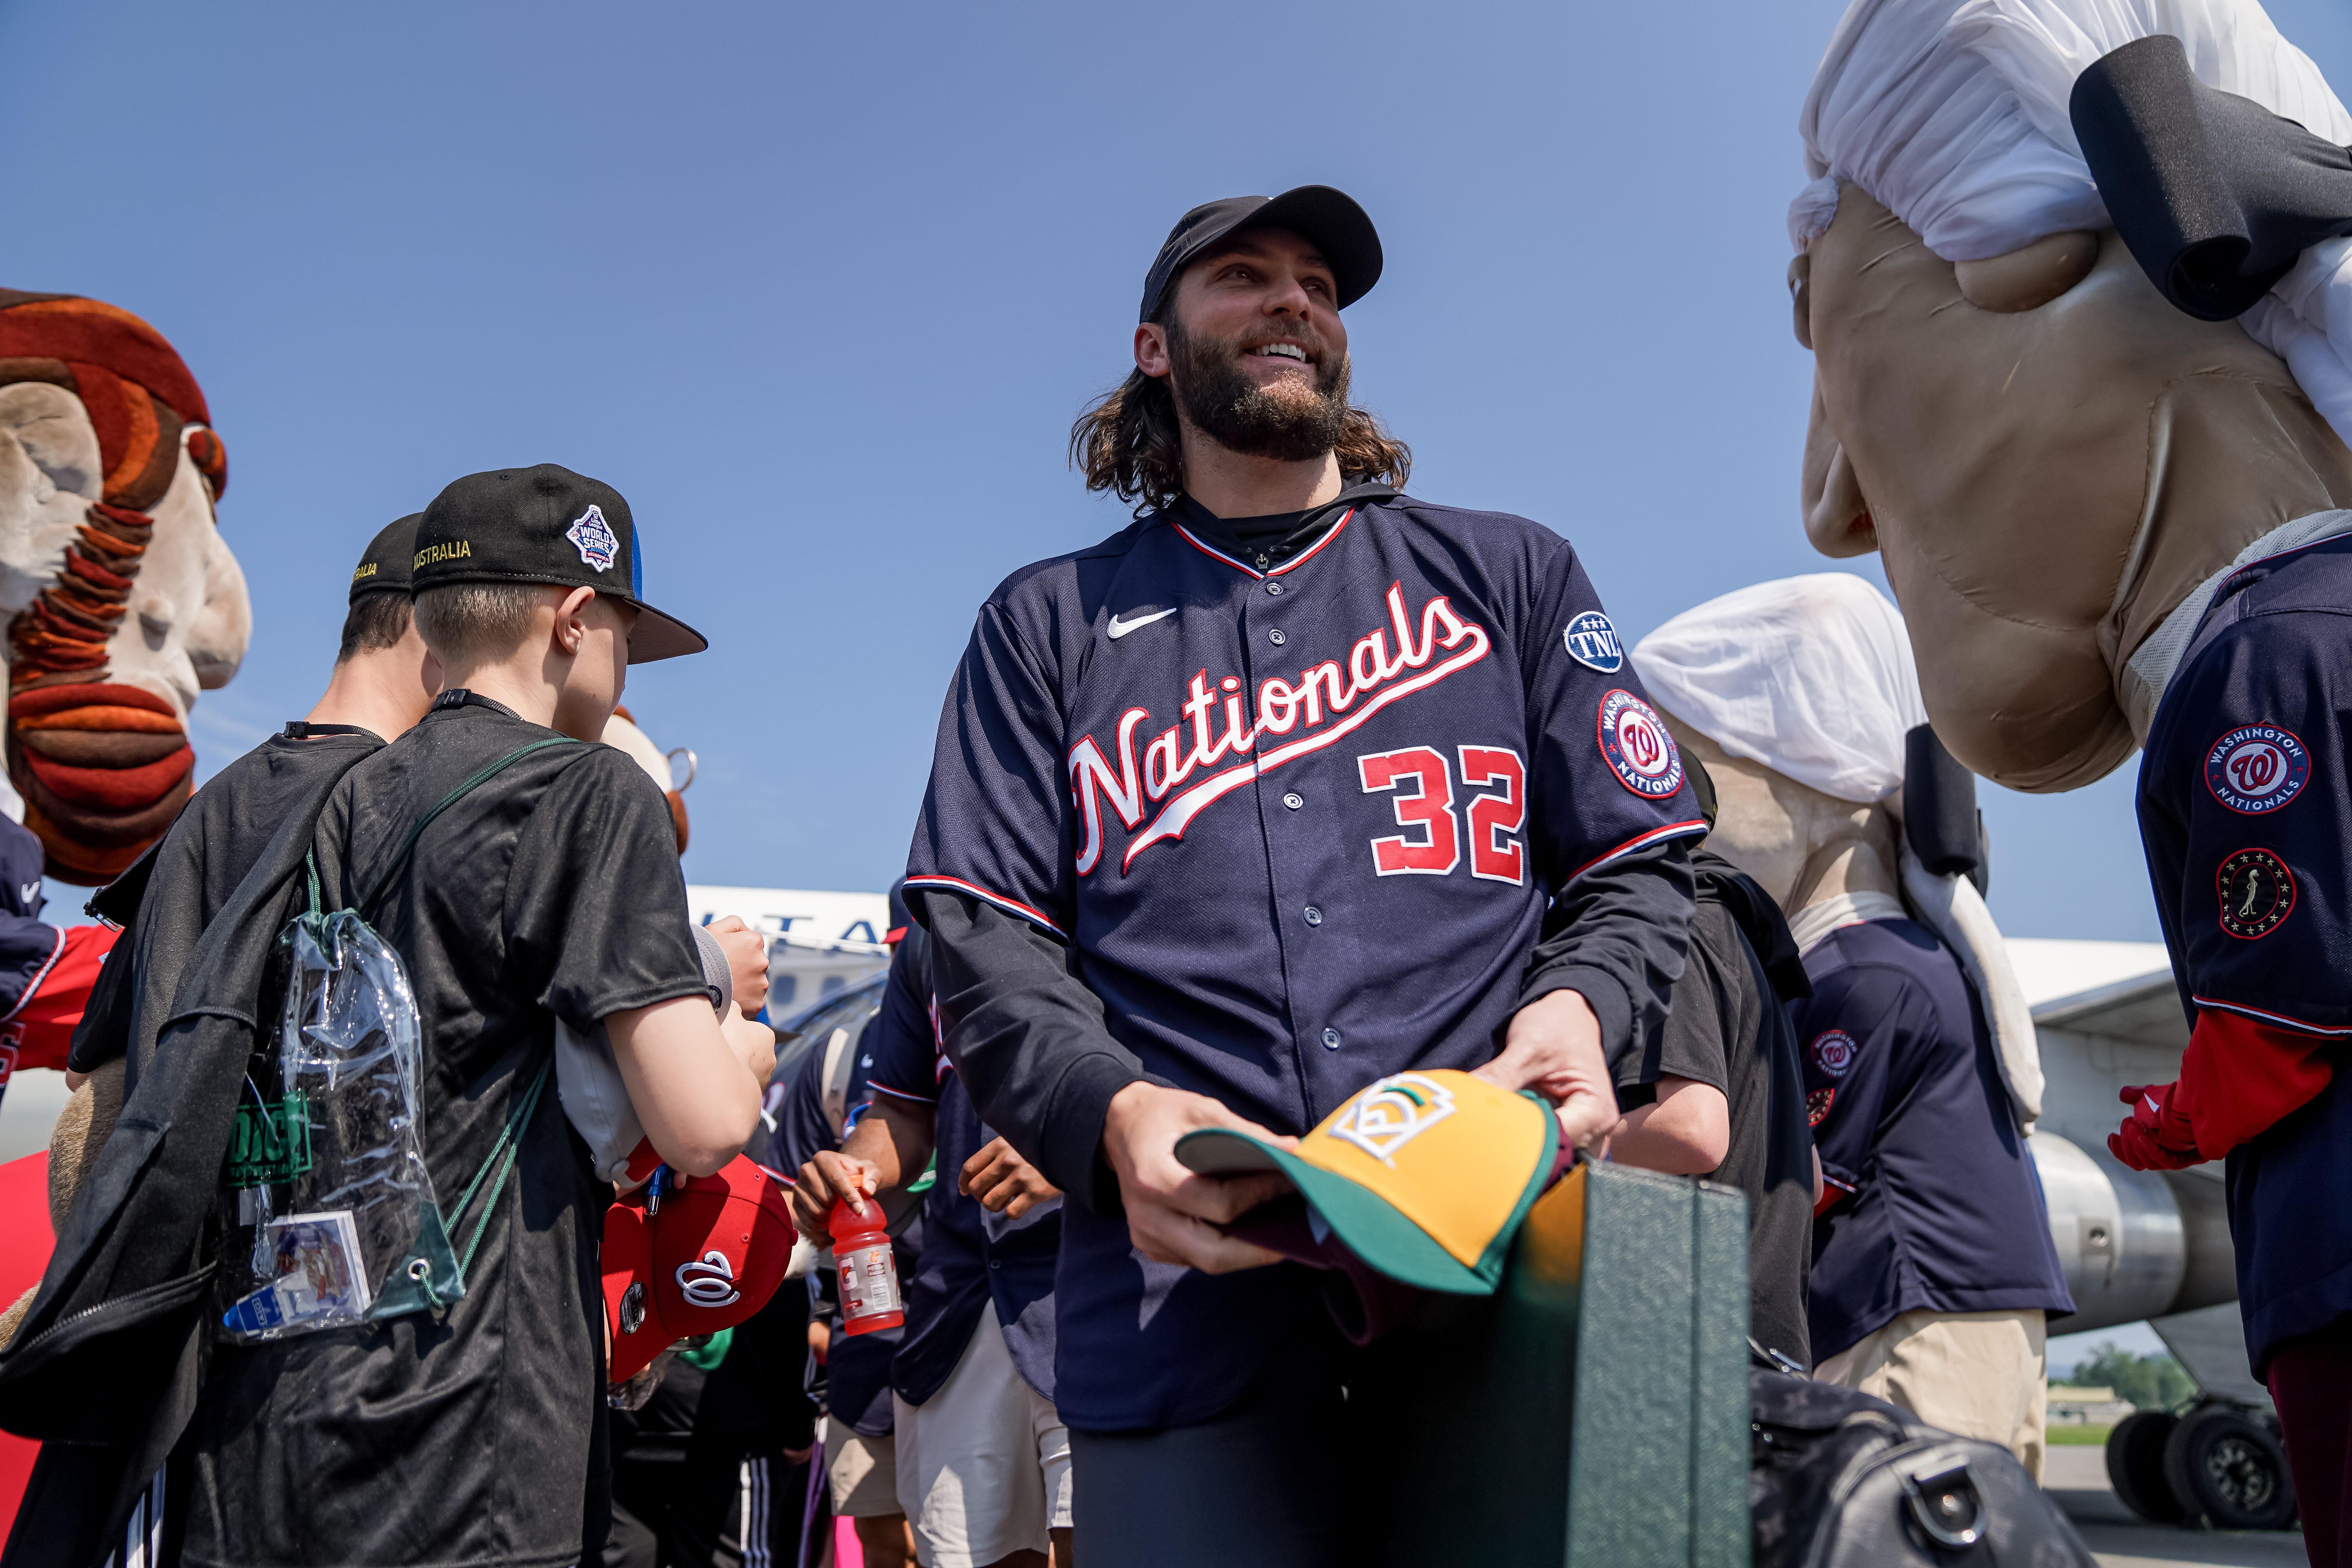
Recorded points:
(2238, 1078)
(2157, 1135)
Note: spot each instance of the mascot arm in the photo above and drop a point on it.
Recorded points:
(2239, 1078)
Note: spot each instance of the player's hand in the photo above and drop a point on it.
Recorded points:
(2157, 1135)
(747, 960)
(820, 1338)
(1554, 1048)
(1172, 1213)
(1004, 1181)
(825, 1180)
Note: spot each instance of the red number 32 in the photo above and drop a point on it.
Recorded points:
(1423, 787)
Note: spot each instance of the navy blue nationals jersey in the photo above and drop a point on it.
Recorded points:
(1301, 825)
(1938, 1205)
(1300, 829)
(2246, 815)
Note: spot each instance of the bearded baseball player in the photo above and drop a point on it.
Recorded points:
(1292, 783)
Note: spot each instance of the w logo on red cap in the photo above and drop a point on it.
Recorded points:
(711, 1282)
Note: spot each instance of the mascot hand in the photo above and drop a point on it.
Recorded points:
(2155, 1136)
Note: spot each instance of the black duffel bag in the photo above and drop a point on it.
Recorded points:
(1838, 1479)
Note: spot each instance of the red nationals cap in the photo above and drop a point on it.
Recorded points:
(705, 1259)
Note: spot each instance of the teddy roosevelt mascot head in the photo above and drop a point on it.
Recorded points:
(2050, 457)
(122, 601)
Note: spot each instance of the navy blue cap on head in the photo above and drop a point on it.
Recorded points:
(545, 524)
(1327, 219)
(384, 568)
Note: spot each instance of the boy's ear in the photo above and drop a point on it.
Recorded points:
(570, 618)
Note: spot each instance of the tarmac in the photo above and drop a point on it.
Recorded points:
(2077, 1479)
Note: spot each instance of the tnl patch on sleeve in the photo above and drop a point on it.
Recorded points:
(2257, 768)
(1634, 743)
(2257, 893)
(1817, 1105)
(1591, 641)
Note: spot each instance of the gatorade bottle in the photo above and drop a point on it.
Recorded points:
(870, 1272)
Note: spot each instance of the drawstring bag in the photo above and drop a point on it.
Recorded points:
(328, 1214)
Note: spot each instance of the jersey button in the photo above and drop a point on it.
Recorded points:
(1314, 916)
(1274, 589)
(1294, 800)
(1275, 637)
(1330, 1040)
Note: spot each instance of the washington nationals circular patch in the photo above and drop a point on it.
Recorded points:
(1634, 742)
(2257, 893)
(2258, 768)
(1817, 1105)
(1833, 1053)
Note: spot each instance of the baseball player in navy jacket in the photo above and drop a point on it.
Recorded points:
(1294, 783)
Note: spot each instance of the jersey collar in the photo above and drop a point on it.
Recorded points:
(1320, 525)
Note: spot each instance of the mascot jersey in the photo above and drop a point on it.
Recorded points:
(2246, 815)
(1931, 1201)
(1300, 826)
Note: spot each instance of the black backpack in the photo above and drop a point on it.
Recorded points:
(1838, 1479)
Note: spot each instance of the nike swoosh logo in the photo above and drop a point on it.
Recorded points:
(1119, 629)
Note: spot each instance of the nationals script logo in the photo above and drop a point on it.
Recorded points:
(1323, 703)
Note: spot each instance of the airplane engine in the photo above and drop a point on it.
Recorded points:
(2135, 1244)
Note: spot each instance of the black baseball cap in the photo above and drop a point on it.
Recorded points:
(1327, 219)
(385, 567)
(544, 524)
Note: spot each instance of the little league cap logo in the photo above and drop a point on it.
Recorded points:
(1424, 1176)
(1392, 1113)
(1593, 642)
(1833, 1053)
(2258, 768)
(590, 534)
(1634, 743)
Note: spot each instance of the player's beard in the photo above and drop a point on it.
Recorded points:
(1291, 421)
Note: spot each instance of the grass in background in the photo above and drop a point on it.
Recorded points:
(2076, 1436)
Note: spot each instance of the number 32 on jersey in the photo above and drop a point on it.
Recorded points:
(1431, 845)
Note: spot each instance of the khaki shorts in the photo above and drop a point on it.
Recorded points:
(864, 1472)
(984, 1463)
(1980, 1374)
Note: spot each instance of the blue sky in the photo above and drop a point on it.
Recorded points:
(821, 290)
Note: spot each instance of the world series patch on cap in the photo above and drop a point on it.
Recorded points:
(1424, 1176)
(709, 1258)
(545, 524)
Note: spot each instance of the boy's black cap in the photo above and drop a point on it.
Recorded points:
(544, 524)
(385, 567)
(1327, 219)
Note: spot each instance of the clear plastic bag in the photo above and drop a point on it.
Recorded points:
(329, 1214)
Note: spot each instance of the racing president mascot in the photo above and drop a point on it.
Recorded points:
(122, 602)
(2067, 272)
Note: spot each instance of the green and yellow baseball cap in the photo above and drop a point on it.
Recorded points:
(1424, 1176)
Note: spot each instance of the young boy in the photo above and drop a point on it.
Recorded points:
(551, 891)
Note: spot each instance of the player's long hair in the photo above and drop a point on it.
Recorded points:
(1127, 442)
